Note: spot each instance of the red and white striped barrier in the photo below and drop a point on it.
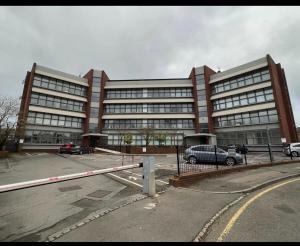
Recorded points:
(27, 184)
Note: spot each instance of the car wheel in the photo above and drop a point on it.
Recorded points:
(192, 160)
(294, 154)
(230, 161)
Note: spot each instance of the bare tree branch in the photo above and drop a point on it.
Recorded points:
(9, 108)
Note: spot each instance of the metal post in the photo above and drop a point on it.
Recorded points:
(149, 175)
(245, 154)
(269, 144)
(290, 152)
(216, 158)
(270, 153)
(177, 152)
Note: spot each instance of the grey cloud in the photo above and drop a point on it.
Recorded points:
(146, 42)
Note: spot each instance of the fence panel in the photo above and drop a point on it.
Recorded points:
(211, 157)
(206, 157)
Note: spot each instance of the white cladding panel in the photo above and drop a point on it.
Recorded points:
(148, 84)
(61, 75)
(156, 100)
(94, 104)
(199, 70)
(262, 62)
(59, 94)
(55, 111)
(93, 120)
(149, 116)
(203, 120)
(244, 109)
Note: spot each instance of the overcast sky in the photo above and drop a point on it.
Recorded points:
(146, 42)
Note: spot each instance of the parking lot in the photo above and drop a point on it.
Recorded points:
(35, 213)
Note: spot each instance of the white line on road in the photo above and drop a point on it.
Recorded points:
(158, 180)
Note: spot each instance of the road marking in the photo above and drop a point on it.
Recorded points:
(130, 177)
(133, 173)
(150, 205)
(125, 180)
(162, 181)
(235, 217)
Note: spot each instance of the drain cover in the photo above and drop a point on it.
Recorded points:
(99, 193)
(69, 188)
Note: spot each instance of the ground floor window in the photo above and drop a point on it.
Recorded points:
(249, 137)
(139, 140)
(52, 137)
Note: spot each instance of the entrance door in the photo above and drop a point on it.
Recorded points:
(93, 141)
(203, 140)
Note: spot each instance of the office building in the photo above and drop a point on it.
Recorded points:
(247, 104)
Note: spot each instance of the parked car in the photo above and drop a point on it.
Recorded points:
(75, 149)
(206, 154)
(238, 148)
(295, 149)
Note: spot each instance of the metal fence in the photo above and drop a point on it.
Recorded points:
(213, 157)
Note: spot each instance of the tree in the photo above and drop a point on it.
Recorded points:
(147, 133)
(161, 138)
(9, 107)
(127, 138)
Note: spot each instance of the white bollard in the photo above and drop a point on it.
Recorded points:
(149, 175)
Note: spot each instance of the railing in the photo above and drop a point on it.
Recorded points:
(200, 158)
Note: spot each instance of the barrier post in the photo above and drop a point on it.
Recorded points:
(149, 175)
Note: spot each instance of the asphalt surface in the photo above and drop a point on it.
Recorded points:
(35, 213)
(177, 214)
(273, 217)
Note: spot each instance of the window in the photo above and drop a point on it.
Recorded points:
(95, 97)
(59, 86)
(260, 98)
(244, 101)
(242, 80)
(37, 81)
(96, 81)
(52, 84)
(265, 77)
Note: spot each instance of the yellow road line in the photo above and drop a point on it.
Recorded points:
(235, 217)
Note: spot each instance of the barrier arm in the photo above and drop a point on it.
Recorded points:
(39, 182)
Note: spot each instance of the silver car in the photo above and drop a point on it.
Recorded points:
(295, 149)
(206, 154)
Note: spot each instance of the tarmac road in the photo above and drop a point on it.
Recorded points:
(176, 215)
(268, 215)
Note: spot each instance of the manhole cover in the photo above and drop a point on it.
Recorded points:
(99, 193)
(69, 188)
(85, 203)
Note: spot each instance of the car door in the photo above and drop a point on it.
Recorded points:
(221, 155)
(197, 152)
(210, 154)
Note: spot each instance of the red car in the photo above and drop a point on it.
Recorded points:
(75, 149)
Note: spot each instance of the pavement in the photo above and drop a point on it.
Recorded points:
(178, 214)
